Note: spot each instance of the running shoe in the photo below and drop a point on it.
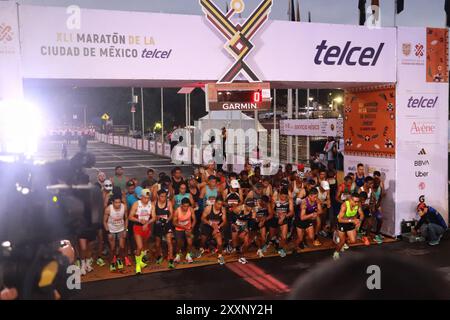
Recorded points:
(221, 260)
(177, 258)
(264, 248)
(345, 246)
(159, 260)
(201, 251)
(127, 262)
(317, 243)
(189, 258)
(282, 253)
(89, 267)
(260, 253)
(138, 268)
(78, 263)
(378, 239)
(100, 262)
(112, 267)
(119, 264)
(322, 233)
(336, 256)
(366, 241)
(171, 264)
(434, 243)
(242, 260)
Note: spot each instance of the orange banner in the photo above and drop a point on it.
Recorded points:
(437, 55)
(369, 122)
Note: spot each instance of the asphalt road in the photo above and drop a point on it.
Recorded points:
(267, 278)
(134, 162)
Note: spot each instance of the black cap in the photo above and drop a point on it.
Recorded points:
(130, 183)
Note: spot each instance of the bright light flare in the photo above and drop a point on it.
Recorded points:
(20, 127)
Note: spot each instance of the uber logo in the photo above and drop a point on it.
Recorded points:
(349, 55)
(421, 174)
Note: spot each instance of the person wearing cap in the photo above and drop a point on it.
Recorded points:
(321, 222)
(233, 187)
(214, 218)
(101, 178)
(431, 225)
(264, 212)
(140, 214)
(240, 228)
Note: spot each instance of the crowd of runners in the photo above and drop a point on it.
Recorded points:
(182, 218)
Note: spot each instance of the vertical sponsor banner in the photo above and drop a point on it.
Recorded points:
(422, 121)
(116, 140)
(139, 144)
(166, 150)
(11, 86)
(152, 147)
(159, 148)
(386, 166)
(145, 145)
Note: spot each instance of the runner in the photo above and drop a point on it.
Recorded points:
(368, 204)
(140, 214)
(349, 220)
(184, 222)
(115, 223)
(283, 211)
(359, 178)
(214, 218)
(378, 191)
(119, 179)
(267, 187)
(182, 194)
(264, 212)
(239, 228)
(162, 215)
(150, 180)
(310, 210)
(177, 179)
(322, 228)
(244, 182)
(209, 192)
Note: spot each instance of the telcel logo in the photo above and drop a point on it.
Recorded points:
(422, 102)
(334, 55)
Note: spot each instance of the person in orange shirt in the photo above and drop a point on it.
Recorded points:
(184, 222)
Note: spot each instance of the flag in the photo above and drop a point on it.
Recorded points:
(297, 12)
(226, 7)
(362, 12)
(309, 16)
(400, 4)
(376, 13)
(447, 11)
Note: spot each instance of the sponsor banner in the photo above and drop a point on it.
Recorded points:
(369, 121)
(110, 139)
(312, 127)
(132, 143)
(139, 144)
(10, 63)
(152, 146)
(116, 140)
(159, 148)
(386, 166)
(146, 145)
(166, 149)
(117, 45)
(422, 123)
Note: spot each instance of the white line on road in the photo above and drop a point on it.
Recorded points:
(136, 167)
(136, 160)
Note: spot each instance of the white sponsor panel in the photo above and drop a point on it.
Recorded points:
(132, 143)
(10, 61)
(159, 148)
(145, 145)
(422, 130)
(139, 144)
(386, 167)
(166, 149)
(117, 45)
(181, 154)
(152, 146)
(116, 140)
(313, 127)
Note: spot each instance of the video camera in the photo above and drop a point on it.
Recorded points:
(40, 206)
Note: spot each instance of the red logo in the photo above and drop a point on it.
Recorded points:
(418, 50)
(6, 33)
(419, 127)
(421, 185)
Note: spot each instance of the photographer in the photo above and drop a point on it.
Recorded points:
(431, 224)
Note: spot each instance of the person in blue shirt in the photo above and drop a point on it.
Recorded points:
(431, 224)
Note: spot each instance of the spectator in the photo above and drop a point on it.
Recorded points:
(330, 150)
(431, 224)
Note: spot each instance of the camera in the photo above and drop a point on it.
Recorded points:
(41, 206)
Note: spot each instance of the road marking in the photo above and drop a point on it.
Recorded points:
(143, 166)
(137, 160)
